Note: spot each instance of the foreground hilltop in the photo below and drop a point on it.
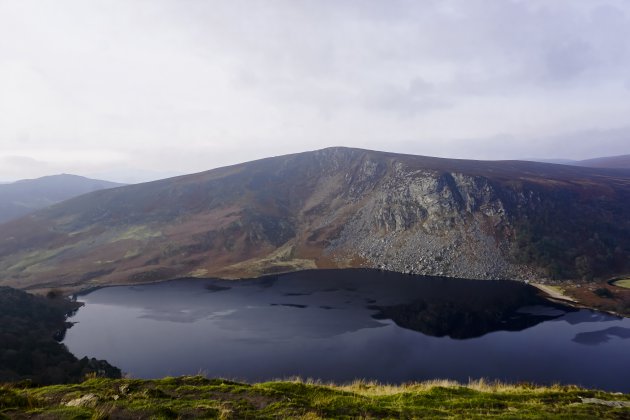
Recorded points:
(336, 207)
(197, 397)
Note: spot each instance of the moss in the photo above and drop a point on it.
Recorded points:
(199, 397)
(10, 398)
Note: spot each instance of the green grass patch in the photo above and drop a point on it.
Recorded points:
(30, 262)
(625, 283)
(199, 397)
(139, 232)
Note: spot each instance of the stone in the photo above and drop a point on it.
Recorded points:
(88, 400)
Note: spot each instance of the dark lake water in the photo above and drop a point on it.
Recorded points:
(340, 325)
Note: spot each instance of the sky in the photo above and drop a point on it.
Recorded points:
(138, 90)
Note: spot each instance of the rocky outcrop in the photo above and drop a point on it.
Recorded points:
(434, 223)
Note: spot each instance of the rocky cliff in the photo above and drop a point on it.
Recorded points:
(335, 207)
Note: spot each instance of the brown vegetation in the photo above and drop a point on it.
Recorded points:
(332, 208)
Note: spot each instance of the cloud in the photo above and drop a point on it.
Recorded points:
(574, 145)
(219, 82)
(20, 167)
(417, 96)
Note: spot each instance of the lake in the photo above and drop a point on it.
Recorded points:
(341, 325)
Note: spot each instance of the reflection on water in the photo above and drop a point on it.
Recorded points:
(472, 310)
(345, 324)
(581, 317)
(594, 338)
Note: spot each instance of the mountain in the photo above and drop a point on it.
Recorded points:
(558, 161)
(622, 161)
(25, 196)
(617, 162)
(336, 207)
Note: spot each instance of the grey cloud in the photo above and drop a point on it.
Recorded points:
(594, 142)
(417, 97)
(238, 79)
(566, 61)
(498, 45)
(20, 167)
(576, 145)
(20, 161)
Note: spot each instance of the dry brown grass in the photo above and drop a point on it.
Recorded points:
(374, 388)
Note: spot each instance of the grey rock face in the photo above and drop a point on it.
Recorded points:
(433, 223)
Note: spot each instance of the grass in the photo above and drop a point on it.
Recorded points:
(30, 262)
(138, 232)
(556, 289)
(625, 283)
(199, 397)
(280, 260)
(553, 291)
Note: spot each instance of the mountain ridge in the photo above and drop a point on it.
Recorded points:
(335, 207)
(27, 195)
(614, 162)
(620, 161)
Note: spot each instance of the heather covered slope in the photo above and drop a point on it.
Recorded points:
(23, 197)
(335, 207)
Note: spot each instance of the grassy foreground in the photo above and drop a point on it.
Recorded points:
(199, 397)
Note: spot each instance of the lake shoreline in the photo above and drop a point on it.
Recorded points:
(552, 294)
(549, 292)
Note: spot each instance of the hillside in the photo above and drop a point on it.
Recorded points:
(23, 197)
(615, 162)
(30, 330)
(335, 207)
(197, 397)
(622, 161)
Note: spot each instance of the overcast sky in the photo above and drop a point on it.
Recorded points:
(135, 90)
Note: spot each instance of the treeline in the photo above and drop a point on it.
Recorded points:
(30, 330)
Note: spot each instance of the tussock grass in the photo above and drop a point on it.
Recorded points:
(482, 385)
(375, 388)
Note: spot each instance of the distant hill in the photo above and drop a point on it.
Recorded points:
(336, 207)
(23, 197)
(622, 161)
(557, 161)
(615, 162)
